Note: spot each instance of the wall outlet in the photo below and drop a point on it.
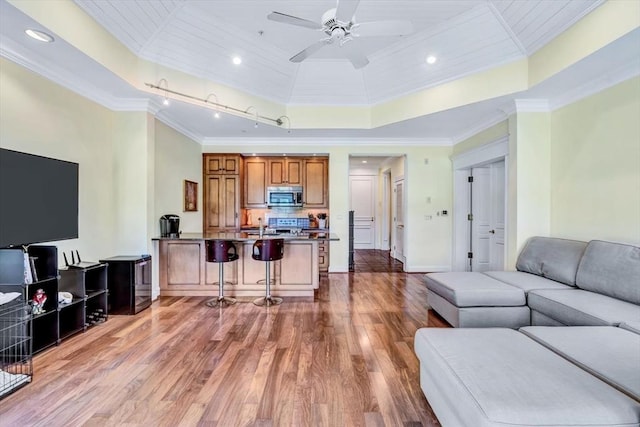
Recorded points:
(428, 217)
(428, 199)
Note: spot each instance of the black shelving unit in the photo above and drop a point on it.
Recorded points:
(43, 326)
(89, 289)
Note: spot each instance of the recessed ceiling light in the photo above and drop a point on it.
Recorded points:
(364, 161)
(165, 102)
(237, 60)
(431, 59)
(216, 115)
(39, 35)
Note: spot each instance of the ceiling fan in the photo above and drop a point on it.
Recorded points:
(341, 27)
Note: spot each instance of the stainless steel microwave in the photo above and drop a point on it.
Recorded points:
(290, 196)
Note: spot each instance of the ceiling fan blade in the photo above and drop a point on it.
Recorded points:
(346, 9)
(293, 20)
(357, 59)
(304, 54)
(383, 28)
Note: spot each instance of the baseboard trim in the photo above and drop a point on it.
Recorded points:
(428, 268)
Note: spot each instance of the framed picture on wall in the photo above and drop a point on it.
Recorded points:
(190, 196)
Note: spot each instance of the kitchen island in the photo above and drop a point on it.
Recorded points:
(182, 268)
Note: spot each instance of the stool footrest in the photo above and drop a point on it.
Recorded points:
(220, 301)
(267, 301)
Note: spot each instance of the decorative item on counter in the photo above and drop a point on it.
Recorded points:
(249, 219)
(313, 223)
(37, 303)
(322, 220)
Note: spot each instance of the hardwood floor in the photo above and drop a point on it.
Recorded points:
(375, 260)
(344, 359)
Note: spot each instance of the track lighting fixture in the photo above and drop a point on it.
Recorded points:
(166, 91)
(288, 122)
(216, 114)
(165, 101)
(247, 112)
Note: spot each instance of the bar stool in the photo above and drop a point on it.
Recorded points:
(221, 251)
(268, 250)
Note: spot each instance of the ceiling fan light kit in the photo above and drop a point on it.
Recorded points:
(340, 26)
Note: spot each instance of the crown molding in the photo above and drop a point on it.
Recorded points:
(51, 71)
(598, 85)
(532, 105)
(500, 116)
(179, 128)
(333, 141)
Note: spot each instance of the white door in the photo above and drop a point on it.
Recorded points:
(488, 224)
(397, 250)
(481, 222)
(362, 192)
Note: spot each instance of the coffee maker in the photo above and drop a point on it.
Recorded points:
(169, 225)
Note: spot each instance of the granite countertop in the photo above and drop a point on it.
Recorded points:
(252, 237)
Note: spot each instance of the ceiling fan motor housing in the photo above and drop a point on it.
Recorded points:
(338, 31)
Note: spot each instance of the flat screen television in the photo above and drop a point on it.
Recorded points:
(38, 199)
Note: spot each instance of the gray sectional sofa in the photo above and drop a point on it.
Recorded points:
(557, 282)
(579, 365)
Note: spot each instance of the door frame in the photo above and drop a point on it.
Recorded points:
(404, 215)
(489, 153)
(385, 225)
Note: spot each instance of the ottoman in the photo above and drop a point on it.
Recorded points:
(475, 300)
(500, 377)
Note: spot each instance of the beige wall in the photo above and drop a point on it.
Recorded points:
(176, 158)
(595, 167)
(575, 172)
(39, 117)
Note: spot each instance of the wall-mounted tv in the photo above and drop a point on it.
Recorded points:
(38, 199)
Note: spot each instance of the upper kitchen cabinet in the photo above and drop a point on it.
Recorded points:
(285, 171)
(255, 182)
(222, 164)
(315, 180)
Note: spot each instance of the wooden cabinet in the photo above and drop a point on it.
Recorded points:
(221, 192)
(255, 182)
(261, 172)
(315, 180)
(285, 171)
(221, 203)
(323, 256)
(227, 164)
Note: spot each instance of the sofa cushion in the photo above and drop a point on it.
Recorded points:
(611, 354)
(611, 269)
(575, 307)
(470, 289)
(500, 377)
(526, 281)
(556, 259)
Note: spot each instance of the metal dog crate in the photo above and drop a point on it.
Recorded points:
(16, 367)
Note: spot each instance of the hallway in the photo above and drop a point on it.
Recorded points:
(376, 261)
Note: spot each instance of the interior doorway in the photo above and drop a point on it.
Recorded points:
(480, 207)
(397, 251)
(372, 198)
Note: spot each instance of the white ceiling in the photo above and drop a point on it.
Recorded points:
(200, 37)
